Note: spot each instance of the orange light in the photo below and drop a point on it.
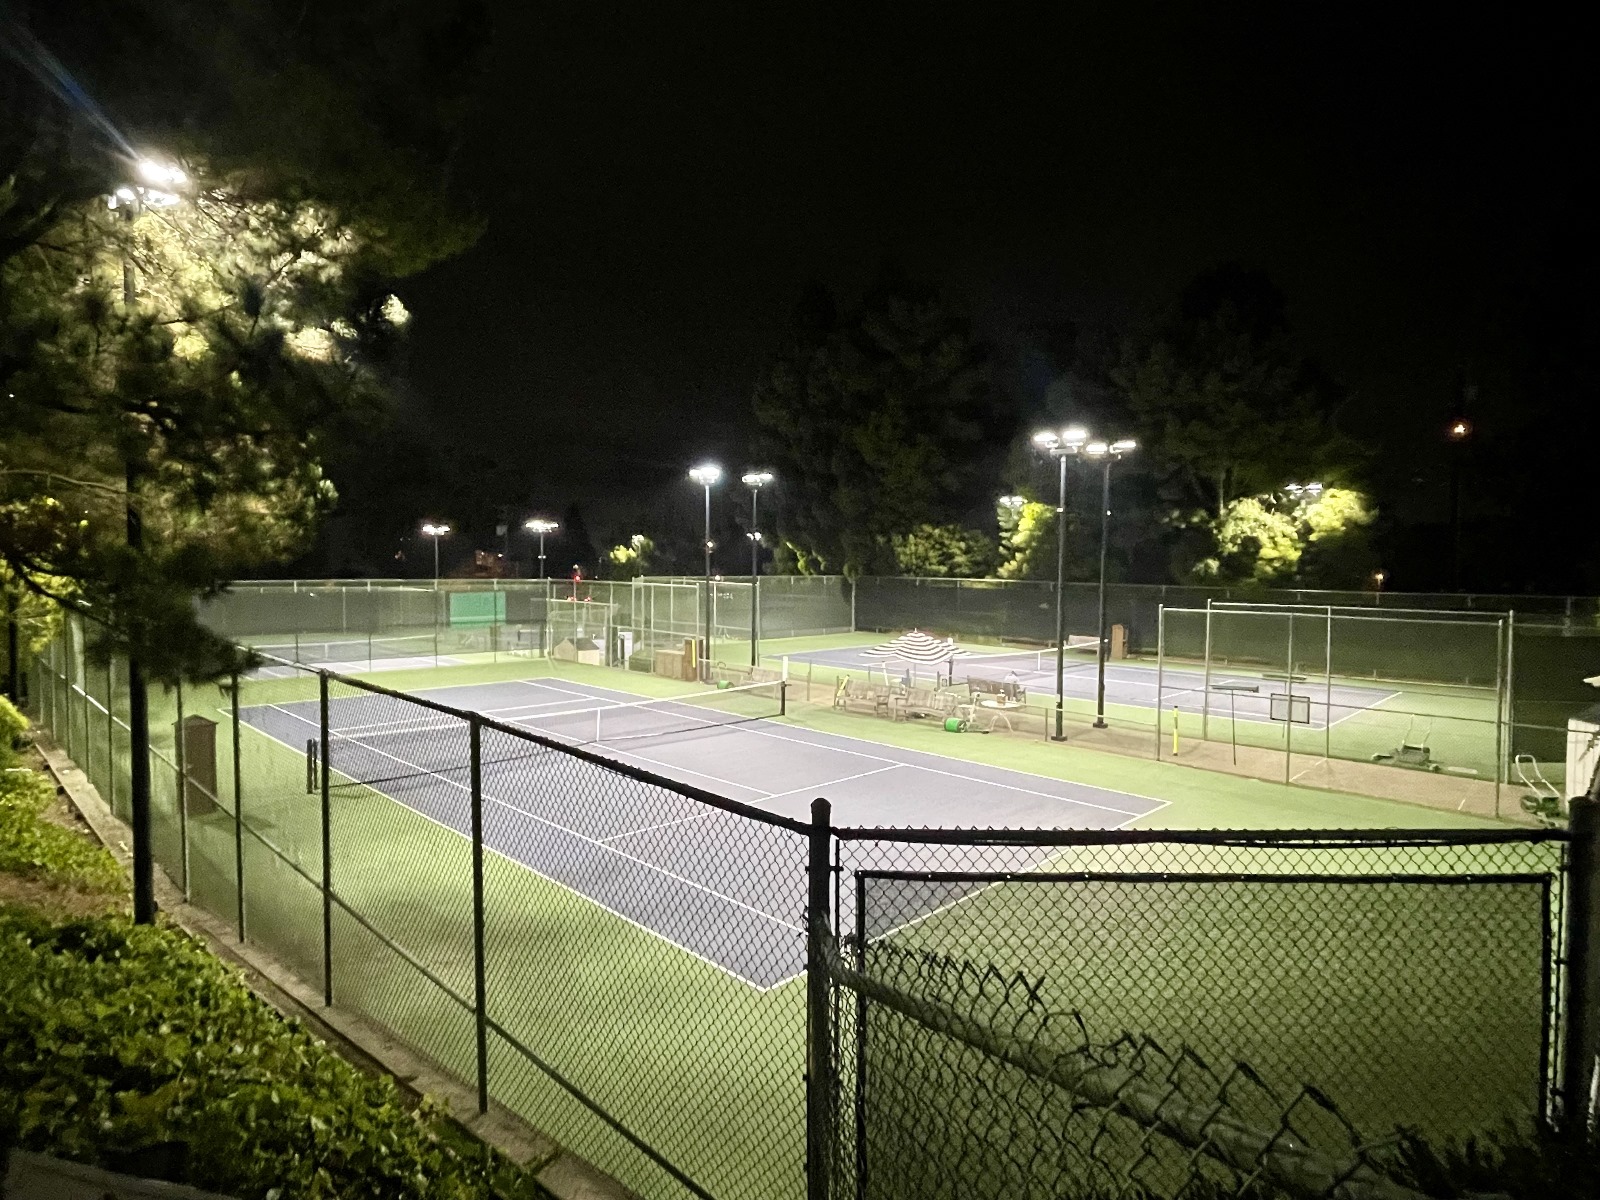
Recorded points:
(1460, 431)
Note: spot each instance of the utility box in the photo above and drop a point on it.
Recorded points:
(1118, 647)
(199, 741)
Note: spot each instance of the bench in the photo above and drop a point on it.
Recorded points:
(980, 690)
(874, 695)
(921, 702)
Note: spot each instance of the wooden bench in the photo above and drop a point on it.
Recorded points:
(874, 695)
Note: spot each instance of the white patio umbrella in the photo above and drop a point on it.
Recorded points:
(917, 648)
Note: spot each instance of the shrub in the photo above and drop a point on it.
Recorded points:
(121, 1038)
(35, 848)
(13, 732)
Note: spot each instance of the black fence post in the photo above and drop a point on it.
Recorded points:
(1580, 1059)
(238, 808)
(327, 847)
(820, 1089)
(479, 972)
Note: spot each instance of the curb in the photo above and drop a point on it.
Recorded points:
(563, 1174)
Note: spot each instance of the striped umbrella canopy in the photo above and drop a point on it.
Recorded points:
(917, 647)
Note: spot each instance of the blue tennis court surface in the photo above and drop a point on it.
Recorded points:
(1131, 684)
(723, 887)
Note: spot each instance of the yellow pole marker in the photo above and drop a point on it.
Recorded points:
(1174, 730)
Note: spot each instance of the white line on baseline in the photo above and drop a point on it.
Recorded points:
(583, 837)
(565, 887)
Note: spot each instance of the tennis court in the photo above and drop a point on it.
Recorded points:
(1133, 684)
(669, 864)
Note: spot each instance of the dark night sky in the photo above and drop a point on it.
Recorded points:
(659, 189)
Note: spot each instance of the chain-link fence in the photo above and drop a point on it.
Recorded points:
(1023, 610)
(707, 998)
(1484, 698)
(1152, 1010)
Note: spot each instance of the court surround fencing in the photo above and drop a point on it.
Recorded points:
(981, 1013)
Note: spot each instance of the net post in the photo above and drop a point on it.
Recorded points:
(820, 1087)
(1205, 693)
(1580, 1058)
(479, 971)
(238, 808)
(327, 844)
(783, 697)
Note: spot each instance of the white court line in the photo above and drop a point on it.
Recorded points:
(836, 782)
(755, 728)
(1378, 703)
(583, 837)
(565, 887)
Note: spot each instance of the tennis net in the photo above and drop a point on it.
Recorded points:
(339, 652)
(439, 748)
(1080, 653)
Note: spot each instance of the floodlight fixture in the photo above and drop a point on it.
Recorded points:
(1014, 503)
(1460, 430)
(706, 474)
(435, 530)
(756, 479)
(541, 526)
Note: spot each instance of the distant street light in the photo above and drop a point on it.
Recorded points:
(755, 481)
(705, 475)
(1108, 454)
(1458, 434)
(541, 526)
(435, 532)
(1014, 503)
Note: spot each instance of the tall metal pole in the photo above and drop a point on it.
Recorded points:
(144, 889)
(144, 886)
(541, 554)
(1105, 534)
(13, 688)
(436, 560)
(755, 579)
(1061, 615)
(705, 661)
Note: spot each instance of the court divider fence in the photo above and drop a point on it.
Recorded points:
(706, 998)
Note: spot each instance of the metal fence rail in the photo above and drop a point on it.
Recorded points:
(533, 916)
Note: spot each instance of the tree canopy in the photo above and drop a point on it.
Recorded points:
(188, 354)
(1225, 404)
(876, 421)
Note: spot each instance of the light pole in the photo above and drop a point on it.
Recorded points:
(705, 475)
(1061, 446)
(1107, 454)
(435, 532)
(541, 526)
(755, 481)
(132, 200)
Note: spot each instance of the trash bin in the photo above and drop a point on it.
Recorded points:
(199, 764)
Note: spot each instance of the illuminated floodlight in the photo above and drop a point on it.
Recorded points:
(1128, 446)
(1014, 503)
(1460, 430)
(756, 479)
(541, 525)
